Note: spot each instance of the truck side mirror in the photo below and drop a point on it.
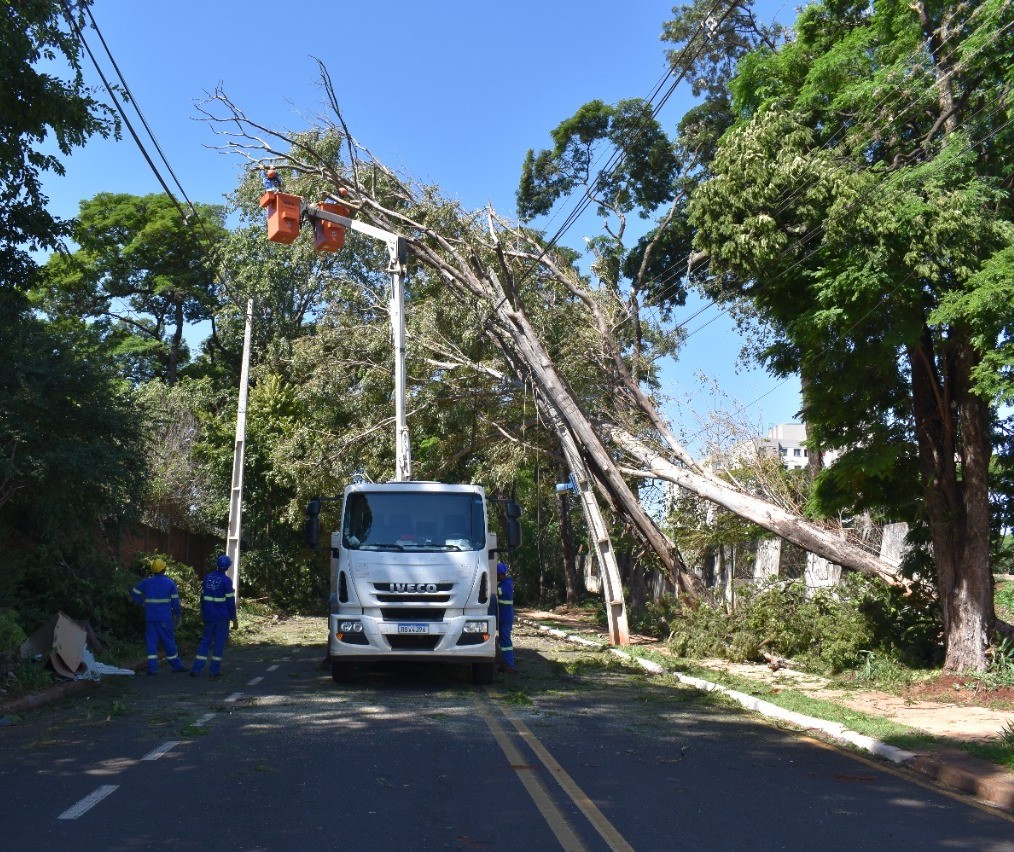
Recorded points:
(513, 509)
(513, 533)
(312, 522)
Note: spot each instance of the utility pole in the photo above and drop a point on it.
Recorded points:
(236, 495)
(605, 556)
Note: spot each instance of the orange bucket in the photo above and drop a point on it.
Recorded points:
(283, 216)
(329, 236)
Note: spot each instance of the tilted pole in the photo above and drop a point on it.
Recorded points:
(236, 495)
(605, 556)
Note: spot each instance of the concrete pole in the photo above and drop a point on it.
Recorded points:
(236, 495)
(602, 545)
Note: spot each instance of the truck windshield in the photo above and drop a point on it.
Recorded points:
(420, 521)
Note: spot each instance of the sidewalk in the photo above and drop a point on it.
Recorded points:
(954, 768)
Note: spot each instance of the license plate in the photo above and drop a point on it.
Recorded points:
(413, 628)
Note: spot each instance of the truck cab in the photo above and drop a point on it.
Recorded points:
(413, 573)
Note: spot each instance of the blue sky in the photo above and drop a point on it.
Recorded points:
(452, 93)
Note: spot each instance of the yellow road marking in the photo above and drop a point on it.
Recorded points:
(598, 820)
(553, 816)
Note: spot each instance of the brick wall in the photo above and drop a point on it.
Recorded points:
(197, 550)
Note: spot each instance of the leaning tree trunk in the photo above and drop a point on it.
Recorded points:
(781, 522)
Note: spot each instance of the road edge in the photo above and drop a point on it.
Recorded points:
(951, 768)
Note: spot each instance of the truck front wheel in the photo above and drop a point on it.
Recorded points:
(482, 673)
(341, 671)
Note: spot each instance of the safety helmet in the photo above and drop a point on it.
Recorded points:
(223, 562)
(158, 565)
(501, 568)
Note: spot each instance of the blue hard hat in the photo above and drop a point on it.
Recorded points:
(223, 561)
(501, 568)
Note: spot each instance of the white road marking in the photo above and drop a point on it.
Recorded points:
(234, 696)
(207, 717)
(273, 668)
(255, 681)
(88, 802)
(162, 749)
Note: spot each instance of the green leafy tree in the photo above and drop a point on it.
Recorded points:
(69, 434)
(38, 106)
(180, 485)
(143, 272)
(640, 177)
(857, 205)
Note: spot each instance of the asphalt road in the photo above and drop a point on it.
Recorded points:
(576, 752)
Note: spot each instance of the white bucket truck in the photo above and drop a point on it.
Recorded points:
(413, 571)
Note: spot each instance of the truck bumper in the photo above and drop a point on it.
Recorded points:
(442, 641)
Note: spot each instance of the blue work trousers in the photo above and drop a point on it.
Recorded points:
(505, 623)
(161, 631)
(214, 637)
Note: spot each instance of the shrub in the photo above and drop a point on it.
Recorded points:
(79, 580)
(829, 631)
(11, 634)
(294, 583)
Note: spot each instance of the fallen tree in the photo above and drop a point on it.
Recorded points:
(469, 256)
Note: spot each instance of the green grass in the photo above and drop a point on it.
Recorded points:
(517, 698)
(1001, 751)
(1003, 599)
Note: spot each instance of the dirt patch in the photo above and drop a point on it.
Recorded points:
(963, 691)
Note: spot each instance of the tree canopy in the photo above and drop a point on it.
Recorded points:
(858, 204)
(37, 105)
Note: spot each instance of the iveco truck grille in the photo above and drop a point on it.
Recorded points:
(412, 614)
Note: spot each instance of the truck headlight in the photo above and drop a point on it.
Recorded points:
(476, 627)
(349, 627)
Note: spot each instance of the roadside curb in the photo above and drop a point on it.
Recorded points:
(962, 771)
(950, 767)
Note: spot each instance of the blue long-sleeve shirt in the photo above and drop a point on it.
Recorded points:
(505, 599)
(218, 598)
(159, 597)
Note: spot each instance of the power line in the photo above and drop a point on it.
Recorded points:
(137, 109)
(192, 219)
(614, 161)
(122, 112)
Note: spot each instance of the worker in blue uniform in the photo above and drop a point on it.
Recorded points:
(505, 617)
(218, 608)
(271, 179)
(160, 598)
